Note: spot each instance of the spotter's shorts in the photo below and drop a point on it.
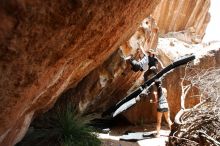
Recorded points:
(162, 110)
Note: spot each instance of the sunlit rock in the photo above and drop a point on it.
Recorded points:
(172, 16)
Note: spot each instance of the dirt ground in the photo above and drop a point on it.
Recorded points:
(108, 142)
(119, 131)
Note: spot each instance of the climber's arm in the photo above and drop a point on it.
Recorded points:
(155, 98)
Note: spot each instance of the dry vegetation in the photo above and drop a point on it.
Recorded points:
(199, 125)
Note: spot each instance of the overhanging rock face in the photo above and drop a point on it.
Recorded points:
(48, 46)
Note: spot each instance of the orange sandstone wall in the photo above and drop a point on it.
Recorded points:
(50, 47)
(47, 47)
(173, 15)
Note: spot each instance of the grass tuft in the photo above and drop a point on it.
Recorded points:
(60, 128)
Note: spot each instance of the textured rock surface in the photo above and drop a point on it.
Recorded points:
(52, 47)
(191, 15)
(113, 79)
(46, 46)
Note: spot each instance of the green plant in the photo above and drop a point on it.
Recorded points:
(60, 128)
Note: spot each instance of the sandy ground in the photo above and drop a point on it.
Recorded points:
(134, 132)
(109, 142)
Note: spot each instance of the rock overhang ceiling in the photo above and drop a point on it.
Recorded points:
(50, 47)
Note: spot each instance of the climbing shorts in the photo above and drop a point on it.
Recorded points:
(162, 110)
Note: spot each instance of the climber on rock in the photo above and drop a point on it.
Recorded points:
(149, 63)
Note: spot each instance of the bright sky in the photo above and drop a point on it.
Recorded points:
(213, 29)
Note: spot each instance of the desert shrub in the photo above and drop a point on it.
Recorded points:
(60, 127)
(199, 125)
